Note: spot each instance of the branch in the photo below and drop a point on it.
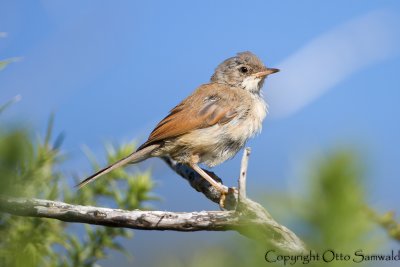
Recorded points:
(145, 220)
(267, 231)
(136, 219)
(245, 216)
(243, 174)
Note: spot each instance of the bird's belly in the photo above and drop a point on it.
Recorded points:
(218, 143)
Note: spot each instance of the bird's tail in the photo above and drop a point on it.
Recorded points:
(135, 157)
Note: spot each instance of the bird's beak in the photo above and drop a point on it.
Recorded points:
(265, 72)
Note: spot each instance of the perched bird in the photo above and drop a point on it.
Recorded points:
(212, 124)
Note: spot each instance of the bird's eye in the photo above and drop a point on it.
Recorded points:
(243, 70)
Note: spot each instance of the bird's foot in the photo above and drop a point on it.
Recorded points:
(226, 200)
(222, 200)
(224, 192)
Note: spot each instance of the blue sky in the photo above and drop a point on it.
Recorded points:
(111, 70)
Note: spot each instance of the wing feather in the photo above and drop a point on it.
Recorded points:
(189, 115)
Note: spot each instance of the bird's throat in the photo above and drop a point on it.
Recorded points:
(252, 84)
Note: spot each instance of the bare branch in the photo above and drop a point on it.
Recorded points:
(136, 219)
(246, 217)
(151, 220)
(243, 174)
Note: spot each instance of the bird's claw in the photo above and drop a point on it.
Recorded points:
(222, 200)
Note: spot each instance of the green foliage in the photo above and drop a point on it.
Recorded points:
(387, 222)
(28, 170)
(32, 169)
(335, 208)
(4, 63)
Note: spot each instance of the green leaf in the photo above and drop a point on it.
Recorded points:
(15, 99)
(4, 63)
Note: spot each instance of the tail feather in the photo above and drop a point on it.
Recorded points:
(135, 157)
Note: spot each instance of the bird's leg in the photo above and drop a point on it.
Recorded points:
(215, 184)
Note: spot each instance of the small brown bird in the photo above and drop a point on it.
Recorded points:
(213, 123)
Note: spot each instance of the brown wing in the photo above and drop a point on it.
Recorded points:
(205, 107)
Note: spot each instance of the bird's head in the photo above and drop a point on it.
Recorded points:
(245, 70)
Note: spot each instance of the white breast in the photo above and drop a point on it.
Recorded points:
(260, 112)
(252, 124)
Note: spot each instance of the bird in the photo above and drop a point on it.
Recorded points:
(212, 124)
